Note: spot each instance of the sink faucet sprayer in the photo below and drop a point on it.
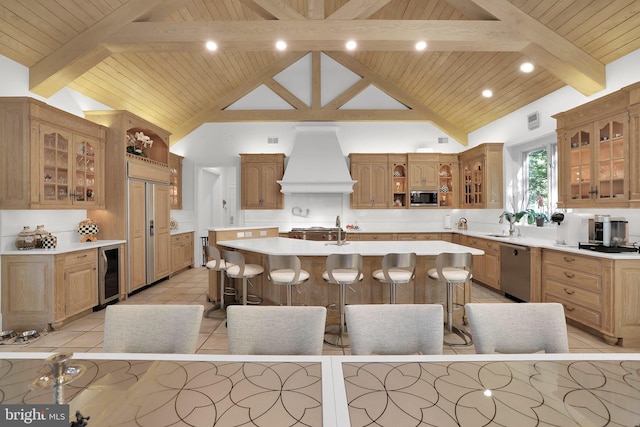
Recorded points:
(340, 241)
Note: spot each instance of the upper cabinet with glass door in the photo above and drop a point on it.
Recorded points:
(64, 166)
(595, 152)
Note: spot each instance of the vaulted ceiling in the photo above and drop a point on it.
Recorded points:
(148, 56)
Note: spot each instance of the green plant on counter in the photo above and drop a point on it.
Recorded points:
(532, 216)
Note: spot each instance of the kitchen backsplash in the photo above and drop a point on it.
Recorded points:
(61, 223)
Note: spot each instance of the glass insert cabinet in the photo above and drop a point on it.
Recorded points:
(598, 158)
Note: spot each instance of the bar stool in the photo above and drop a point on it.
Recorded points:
(342, 270)
(238, 269)
(455, 269)
(216, 263)
(286, 270)
(397, 268)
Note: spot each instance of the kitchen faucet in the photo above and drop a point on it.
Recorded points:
(340, 242)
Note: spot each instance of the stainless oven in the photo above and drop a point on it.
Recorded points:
(424, 198)
(108, 275)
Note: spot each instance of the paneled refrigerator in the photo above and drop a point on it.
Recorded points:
(149, 234)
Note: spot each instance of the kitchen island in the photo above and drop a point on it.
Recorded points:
(313, 256)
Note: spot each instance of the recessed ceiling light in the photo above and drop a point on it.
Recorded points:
(487, 93)
(527, 67)
(351, 45)
(421, 45)
(281, 45)
(211, 45)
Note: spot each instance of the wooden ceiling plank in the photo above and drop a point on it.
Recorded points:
(358, 9)
(400, 95)
(272, 9)
(347, 95)
(569, 63)
(285, 94)
(230, 97)
(82, 52)
(315, 9)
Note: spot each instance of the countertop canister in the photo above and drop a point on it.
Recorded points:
(26, 239)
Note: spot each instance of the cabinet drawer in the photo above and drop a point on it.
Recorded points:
(369, 236)
(418, 236)
(80, 257)
(583, 263)
(573, 277)
(179, 238)
(577, 312)
(485, 245)
(574, 294)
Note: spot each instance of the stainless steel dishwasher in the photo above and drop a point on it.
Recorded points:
(515, 270)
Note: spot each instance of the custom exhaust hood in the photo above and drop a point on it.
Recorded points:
(316, 163)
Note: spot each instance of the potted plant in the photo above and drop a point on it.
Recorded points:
(539, 217)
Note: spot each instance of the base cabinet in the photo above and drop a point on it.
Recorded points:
(600, 294)
(41, 291)
(181, 251)
(486, 268)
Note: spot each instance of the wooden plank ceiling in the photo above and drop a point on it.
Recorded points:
(148, 56)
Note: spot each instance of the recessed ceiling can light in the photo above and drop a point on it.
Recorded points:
(212, 46)
(487, 93)
(351, 45)
(281, 45)
(527, 67)
(421, 45)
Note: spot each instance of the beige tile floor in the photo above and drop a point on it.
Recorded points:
(190, 287)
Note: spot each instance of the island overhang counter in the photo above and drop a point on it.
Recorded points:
(313, 256)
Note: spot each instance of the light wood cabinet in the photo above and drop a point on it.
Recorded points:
(481, 177)
(448, 181)
(597, 153)
(399, 185)
(175, 180)
(124, 216)
(51, 159)
(423, 171)
(41, 291)
(600, 294)
(371, 236)
(486, 268)
(259, 176)
(371, 171)
(76, 284)
(181, 251)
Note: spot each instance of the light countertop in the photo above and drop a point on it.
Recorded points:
(63, 248)
(284, 246)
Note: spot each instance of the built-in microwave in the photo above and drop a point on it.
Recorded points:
(424, 198)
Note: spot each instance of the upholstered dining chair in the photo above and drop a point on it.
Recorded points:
(518, 327)
(130, 328)
(395, 328)
(455, 269)
(397, 268)
(295, 330)
(285, 270)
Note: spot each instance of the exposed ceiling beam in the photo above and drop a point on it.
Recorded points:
(401, 96)
(164, 9)
(209, 114)
(272, 9)
(311, 35)
(471, 10)
(84, 51)
(550, 51)
(358, 9)
(222, 116)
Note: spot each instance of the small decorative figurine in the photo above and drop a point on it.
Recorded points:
(89, 230)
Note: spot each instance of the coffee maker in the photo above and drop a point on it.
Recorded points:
(608, 231)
